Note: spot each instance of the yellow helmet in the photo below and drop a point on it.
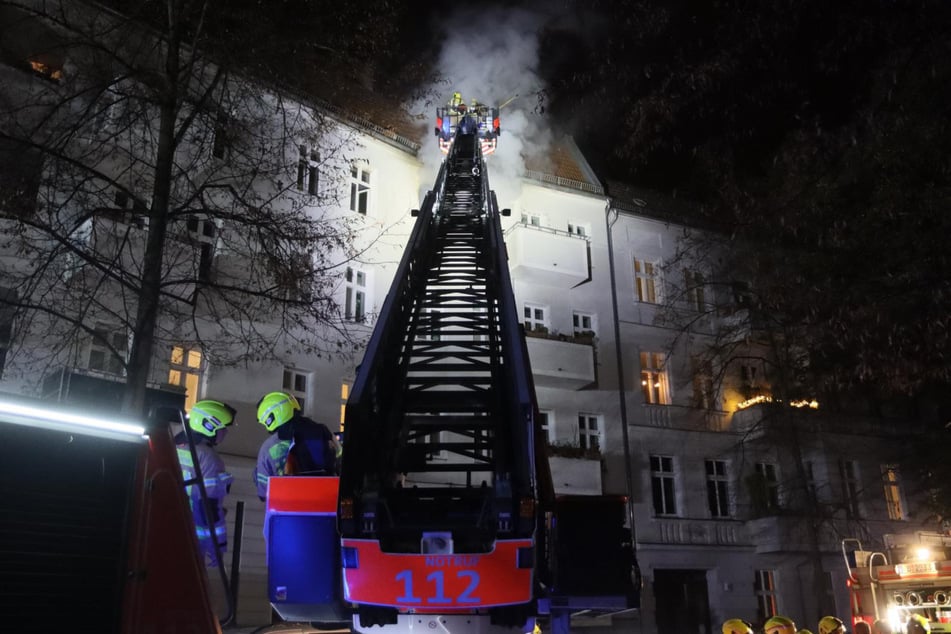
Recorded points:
(917, 624)
(276, 408)
(209, 417)
(831, 625)
(779, 625)
(737, 626)
(804, 631)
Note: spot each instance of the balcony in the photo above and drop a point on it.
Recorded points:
(692, 532)
(541, 255)
(684, 418)
(576, 472)
(561, 361)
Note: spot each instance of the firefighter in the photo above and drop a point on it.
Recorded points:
(861, 627)
(737, 626)
(297, 445)
(779, 625)
(208, 421)
(831, 625)
(917, 624)
(456, 101)
(804, 631)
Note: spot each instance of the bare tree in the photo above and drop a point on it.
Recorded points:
(155, 196)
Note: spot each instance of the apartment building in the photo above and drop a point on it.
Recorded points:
(739, 501)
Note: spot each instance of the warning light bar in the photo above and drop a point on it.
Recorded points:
(66, 421)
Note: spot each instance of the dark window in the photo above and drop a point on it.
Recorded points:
(8, 298)
(662, 485)
(718, 494)
(20, 172)
(222, 141)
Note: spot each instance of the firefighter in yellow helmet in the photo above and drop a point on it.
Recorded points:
(779, 625)
(917, 624)
(737, 626)
(804, 631)
(831, 625)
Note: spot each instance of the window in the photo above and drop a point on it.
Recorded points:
(742, 296)
(8, 299)
(535, 318)
(582, 230)
(204, 232)
(359, 189)
(647, 281)
(850, 487)
(534, 220)
(355, 299)
(20, 171)
(221, 144)
(812, 488)
(693, 287)
(108, 350)
(297, 383)
(583, 323)
(764, 489)
(344, 395)
(546, 420)
(662, 485)
(892, 484)
(704, 394)
(654, 378)
(307, 175)
(764, 587)
(718, 494)
(185, 367)
(589, 431)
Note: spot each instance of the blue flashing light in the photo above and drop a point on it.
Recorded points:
(348, 555)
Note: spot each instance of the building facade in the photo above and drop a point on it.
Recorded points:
(739, 502)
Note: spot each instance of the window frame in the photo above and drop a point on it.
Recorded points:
(718, 488)
(648, 281)
(547, 424)
(185, 369)
(577, 322)
(663, 485)
(894, 494)
(590, 428)
(851, 487)
(360, 188)
(764, 587)
(694, 290)
(108, 340)
(356, 294)
(531, 321)
(769, 474)
(291, 381)
(655, 384)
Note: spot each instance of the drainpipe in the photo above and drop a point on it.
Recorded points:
(622, 400)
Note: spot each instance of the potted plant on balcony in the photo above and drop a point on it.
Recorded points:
(565, 450)
(585, 337)
(537, 331)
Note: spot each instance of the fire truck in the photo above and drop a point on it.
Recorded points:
(911, 575)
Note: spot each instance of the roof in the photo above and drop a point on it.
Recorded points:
(563, 165)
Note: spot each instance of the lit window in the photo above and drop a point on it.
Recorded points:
(297, 382)
(108, 350)
(589, 431)
(893, 496)
(185, 367)
(647, 281)
(355, 299)
(764, 586)
(344, 396)
(850, 487)
(359, 189)
(535, 318)
(663, 485)
(693, 287)
(718, 494)
(654, 379)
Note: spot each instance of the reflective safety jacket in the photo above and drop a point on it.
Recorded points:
(217, 485)
(301, 446)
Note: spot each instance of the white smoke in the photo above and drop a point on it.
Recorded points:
(491, 55)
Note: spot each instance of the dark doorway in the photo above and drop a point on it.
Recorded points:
(682, 605)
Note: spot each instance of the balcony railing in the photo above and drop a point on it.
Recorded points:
(686, 418)
(693, 532)
(542, 255)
